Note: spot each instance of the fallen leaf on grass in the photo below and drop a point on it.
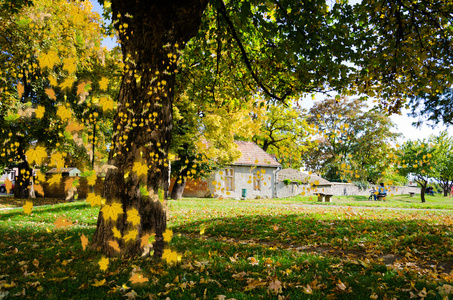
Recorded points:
(98, 282)
(84, 240)
(275, 286)
(61, 222)
(103, 263)
(138, 278)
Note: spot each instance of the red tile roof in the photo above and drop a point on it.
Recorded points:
(253, 155)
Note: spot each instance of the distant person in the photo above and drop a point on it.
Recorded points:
(381, 190)
(374, 192)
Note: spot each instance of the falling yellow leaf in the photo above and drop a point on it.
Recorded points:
(84, 241)
(36, 155)
(103, 263)
(103, 83)
(98, 282)
(57, 160)
(8, 185)
(39, 111)
(67, 83)
(140, 169)
(116, 233)
(63, 113)
(55, 179)
(112, 211)
(147, 239)
(28, 207)
(131, 235)
(94, 199)
(38, 189)
(133, 216)
(106, 103)
(70, 64)
(48, 59)
(20, 89)
(115, 246)
(51, 94)
(168, 235)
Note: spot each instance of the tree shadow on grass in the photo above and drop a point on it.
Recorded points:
(417, 237)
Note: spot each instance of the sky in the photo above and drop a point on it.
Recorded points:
(403, 122)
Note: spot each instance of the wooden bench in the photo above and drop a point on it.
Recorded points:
(380, 197)
(324, 197)
(411, 194)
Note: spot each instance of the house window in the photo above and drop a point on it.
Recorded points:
(229, 179)
(256, 182)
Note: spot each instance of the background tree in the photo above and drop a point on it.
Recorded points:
(443, 166)
(346, 128)
(45, 48)
(433, 108)
(416, 158)
(285, 133)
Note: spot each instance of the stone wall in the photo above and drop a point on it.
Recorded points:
(349, 189)
(337, 189)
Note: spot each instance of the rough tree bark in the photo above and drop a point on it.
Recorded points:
(151, 35)
(23, 187)
(178, 188)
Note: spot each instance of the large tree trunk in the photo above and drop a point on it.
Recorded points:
(422, 195)
(178, 189)
(151, 40)
(23, 187)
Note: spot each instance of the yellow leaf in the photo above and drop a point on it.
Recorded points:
(57, 160)
(62, 222)
(38, 189)
(63, 113)
(84, 241)
(147, 239)
(103, 83)
(168, 235)
(94, 199)
(98, 282)
(67, 83)
(138, 278)
(48, 59)
(36, 155)
(131, 235)
(8, 185)
(70, 64)
(39, 111)
(92, 179)
(115, 245)
(20, 89)
(103, 263)
(116, 233)
(106, 103)
(112, 211)
(55, 179)
(40, 176)
(28, 207)
(133, 216)
(51, 94)
(140, 169)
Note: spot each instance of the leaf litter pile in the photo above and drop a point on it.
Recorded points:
(226, 249)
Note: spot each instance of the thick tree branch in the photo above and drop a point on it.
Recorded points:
(223, 12)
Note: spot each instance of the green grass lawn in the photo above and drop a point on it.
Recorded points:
(252, 249)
